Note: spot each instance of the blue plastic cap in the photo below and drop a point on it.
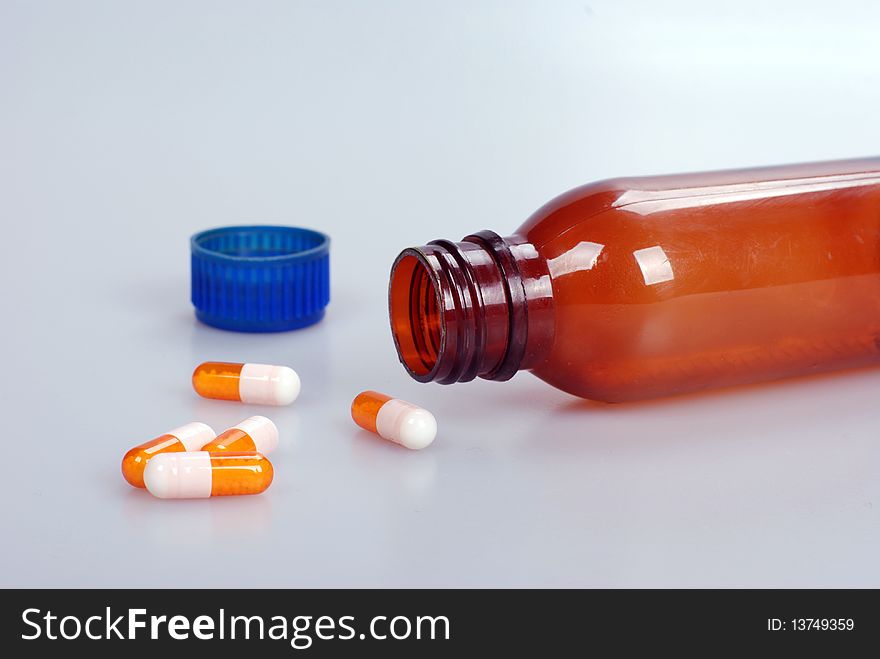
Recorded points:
(260, 278)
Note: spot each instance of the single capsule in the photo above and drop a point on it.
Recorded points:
(394, 419)
(259, 384)
(256, 433)
(200, 474)
(190, 437)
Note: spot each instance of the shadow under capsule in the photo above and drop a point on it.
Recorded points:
(175, 523)
(413, 471)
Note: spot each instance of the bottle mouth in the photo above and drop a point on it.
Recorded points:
(460, 310)
(417, 322)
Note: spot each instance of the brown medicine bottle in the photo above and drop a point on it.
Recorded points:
(634, 288)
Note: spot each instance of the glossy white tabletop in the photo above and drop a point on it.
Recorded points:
(126, 128)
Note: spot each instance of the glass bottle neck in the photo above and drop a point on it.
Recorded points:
(479, 307)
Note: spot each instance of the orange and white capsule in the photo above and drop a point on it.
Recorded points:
(190, 437)
(200, 474)
(256, 433)
(394, 419)
(258, 384)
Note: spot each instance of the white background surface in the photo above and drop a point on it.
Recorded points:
(126, 127)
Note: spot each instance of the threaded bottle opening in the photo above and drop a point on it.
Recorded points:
(416, 318)
(459, 310)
